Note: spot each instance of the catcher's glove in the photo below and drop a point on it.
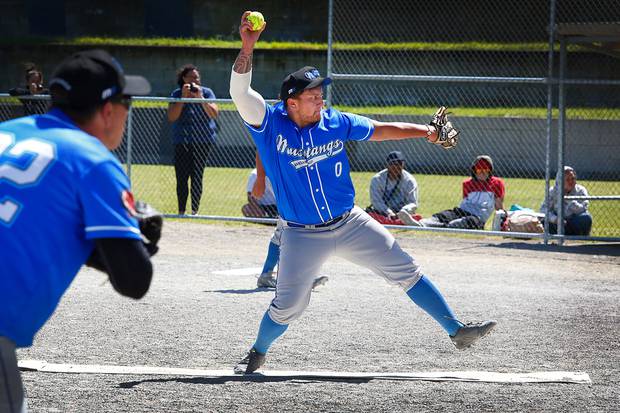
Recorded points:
(447, 135)
(150, 222)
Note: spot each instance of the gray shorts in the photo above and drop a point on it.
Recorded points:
(357, 238)
(11, 391)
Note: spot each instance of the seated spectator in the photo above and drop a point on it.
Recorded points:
(394, 193)
(577, 219)
(482, 194)
(260, 204)
(33, 86)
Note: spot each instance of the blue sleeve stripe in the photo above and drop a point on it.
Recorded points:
(255, 129)
(112, 228)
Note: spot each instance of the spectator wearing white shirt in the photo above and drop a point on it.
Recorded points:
(263, 207)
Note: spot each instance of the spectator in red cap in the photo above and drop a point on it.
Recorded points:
(482, 194)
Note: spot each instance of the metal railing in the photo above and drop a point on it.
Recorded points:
(148, 153)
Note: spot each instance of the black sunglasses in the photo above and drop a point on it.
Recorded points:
(123, 100)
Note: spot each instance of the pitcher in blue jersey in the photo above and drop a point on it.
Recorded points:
(64, 197)
(302, 147)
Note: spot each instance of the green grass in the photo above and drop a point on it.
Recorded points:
(222, 43)
(460, 111)
(224, 193)
(577, 113)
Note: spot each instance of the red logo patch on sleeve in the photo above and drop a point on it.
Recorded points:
(128, 203)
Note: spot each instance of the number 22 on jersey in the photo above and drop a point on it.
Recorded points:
(42, 154)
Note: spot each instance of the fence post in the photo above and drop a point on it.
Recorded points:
(129, 141)
(559, 177)
(330, 34)
(549, 115)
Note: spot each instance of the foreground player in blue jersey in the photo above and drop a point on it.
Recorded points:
(302, 147)
(65, 199)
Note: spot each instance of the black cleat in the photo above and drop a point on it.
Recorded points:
(250, 363)
(470, 333)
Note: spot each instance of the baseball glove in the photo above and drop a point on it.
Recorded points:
(150, 222)
(447, 135)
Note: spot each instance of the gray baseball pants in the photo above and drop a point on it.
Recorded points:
(11, 391)
(357, 238)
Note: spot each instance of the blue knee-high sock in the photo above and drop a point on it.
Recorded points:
(427, 296)
(268, 332)
(273, 255)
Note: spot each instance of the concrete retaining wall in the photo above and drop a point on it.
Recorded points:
(516, 145)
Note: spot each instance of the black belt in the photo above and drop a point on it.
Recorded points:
(322, 225)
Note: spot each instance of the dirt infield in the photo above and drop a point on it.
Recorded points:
(557, 309)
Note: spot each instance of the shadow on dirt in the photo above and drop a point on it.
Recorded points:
(612, 249)
(252, 378)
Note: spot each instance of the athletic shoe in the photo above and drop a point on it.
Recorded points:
(432, 222)
(250, 363)
(319, 281)
(408, 219)
(467, 335)
(266, 280)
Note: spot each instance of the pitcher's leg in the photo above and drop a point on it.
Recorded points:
(427, 297)
(368, 243)
(371, 245)
(268, 332)
(301, 255)
(364, 241)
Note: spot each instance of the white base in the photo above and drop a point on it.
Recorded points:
(469, 376)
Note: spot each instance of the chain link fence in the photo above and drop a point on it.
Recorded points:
(160, 175)
(594, 29)
(531, 110)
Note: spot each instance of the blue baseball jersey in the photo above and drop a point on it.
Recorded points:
(60, 189)
(308, 167)
(194, 125)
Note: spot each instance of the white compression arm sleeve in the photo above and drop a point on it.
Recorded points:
(250, 103)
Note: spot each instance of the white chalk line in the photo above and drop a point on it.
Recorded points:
(239, 271)
(465, 376)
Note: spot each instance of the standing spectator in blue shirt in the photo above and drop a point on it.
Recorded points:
(194, 133)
